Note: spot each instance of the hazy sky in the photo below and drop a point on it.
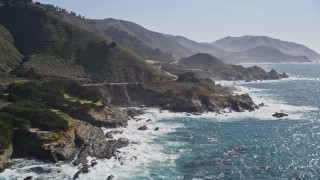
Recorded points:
(209, 20)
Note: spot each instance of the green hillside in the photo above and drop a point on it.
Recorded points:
(55, 48)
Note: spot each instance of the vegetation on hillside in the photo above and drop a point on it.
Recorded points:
(55, 48)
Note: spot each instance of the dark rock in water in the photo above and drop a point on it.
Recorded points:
(142, 128)
(148, 120)
(93, 162)
(111, 177)
(273, 74)
(261, 105)
(134, 112)
(283, 75)
(83, 170)
(232, 150)
(157, 128)
(279, 115)
(28, 178)
(139, 119)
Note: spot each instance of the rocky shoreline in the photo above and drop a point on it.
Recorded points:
(85, 129)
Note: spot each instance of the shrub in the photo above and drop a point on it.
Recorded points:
(38, 115)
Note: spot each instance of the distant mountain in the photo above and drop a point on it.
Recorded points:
(243, 43)
(212, 67)
(196, 47)
(202, 61)
(263, 54)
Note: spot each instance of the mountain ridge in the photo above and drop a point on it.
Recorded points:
(243, 43)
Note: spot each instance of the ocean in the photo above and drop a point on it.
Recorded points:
(247, 145)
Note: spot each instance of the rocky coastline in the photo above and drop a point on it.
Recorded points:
(86, 136)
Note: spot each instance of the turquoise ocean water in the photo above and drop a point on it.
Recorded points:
(249, 145)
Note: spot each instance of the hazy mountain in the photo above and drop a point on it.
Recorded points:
(209, 66)
(196, 47)
(243, 43)
(263, 54)
(202, 61)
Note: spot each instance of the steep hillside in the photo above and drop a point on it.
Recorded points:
(9, 55)
(53, 47)
(112, 31)
(262, 54)
(243, 43)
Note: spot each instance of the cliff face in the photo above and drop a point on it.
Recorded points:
(5, 158)
(191, 94)
(88, 138)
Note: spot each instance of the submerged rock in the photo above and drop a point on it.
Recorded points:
(157, 128)
(232, 150)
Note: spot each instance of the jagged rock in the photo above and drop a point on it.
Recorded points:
(279, 115)
(241, 102)
(84, 169)
(107, 117)
(283, 75)
(261, 105)
(111, 177)
(5, 158)
(149, 120)
(134, 112)
(157, 128)
(273, 74)
(91, 142)
(143, 128)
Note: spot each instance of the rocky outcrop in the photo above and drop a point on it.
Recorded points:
(242, 102)
(29, 144)
(5, 158)
(107, 117)
(134, 112)
(92, 142)
(189, 77)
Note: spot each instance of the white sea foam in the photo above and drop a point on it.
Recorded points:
(129, 161)
(144, 150)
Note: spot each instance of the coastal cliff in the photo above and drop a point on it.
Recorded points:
(5, 158)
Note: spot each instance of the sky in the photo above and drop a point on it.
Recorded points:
(209, 20)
